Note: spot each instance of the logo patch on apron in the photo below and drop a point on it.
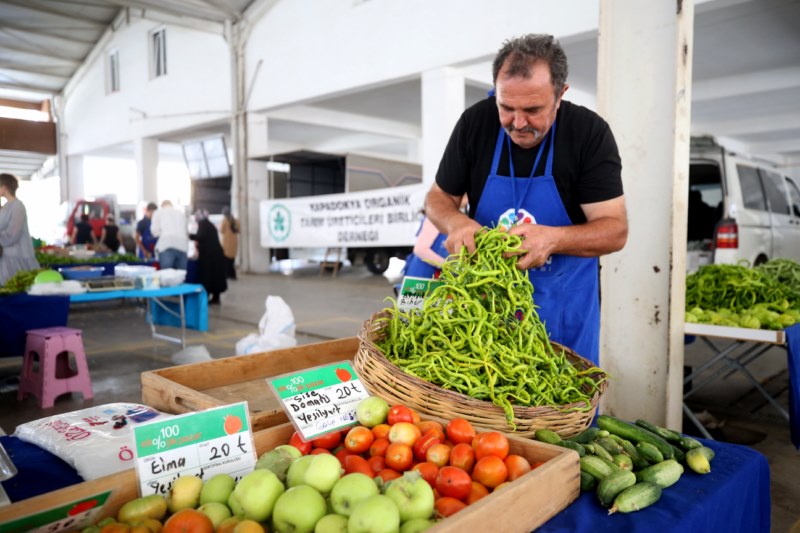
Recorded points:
(510, 218)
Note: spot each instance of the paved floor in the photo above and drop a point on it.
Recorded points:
(119, 348)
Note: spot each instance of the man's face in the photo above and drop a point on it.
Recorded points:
(527, 106)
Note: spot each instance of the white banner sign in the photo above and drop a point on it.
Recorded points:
(381, 217)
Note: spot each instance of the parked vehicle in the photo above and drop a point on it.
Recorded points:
(740, 208)
(98, 209)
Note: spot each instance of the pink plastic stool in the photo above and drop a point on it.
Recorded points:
(54, 377)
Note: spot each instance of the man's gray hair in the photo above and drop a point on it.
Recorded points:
(519, 54)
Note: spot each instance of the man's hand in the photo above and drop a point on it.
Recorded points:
(538, 243)
(462, 235)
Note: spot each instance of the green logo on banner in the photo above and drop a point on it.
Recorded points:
(280, 222)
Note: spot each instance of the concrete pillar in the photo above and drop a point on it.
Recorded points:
(258, 189)
(72, 179)
(145, 154)
(442, 105)
(644, 91)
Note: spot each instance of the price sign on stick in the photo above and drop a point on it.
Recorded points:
(203, 444)
(72, 516)
(413, 292)
(320, 400)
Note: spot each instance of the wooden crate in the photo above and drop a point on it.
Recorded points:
(522, 506)
(199, 386)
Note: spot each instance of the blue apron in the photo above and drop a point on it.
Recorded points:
(148, 241)
(418, 268)
(566, 289)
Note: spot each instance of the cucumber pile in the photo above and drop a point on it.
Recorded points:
(628, 465)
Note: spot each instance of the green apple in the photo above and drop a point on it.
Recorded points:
(323, 472)
(235, 506)
(257, 493)
(412, 495)
(184, 493)
(372, 411)
(416, 525)
(350, 490)
(331, 523)
(153, 506)
(217, 489)
(216, 511)
(298, 510)
(297, 472)
(279, 460)
(376, 514)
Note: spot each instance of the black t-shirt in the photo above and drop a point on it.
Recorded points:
(84, 234)
(112, 239)
(586, 163)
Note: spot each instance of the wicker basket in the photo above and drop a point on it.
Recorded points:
(390, 382)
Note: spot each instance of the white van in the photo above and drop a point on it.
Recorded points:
(740, 209)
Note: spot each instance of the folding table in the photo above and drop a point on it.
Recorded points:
(743, 347)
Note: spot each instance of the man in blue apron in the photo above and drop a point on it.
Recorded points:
(145, 240)
(550, 172)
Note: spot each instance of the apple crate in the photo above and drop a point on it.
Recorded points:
(522, 506)
(199, 386)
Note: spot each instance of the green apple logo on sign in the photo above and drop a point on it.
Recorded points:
(280, 222)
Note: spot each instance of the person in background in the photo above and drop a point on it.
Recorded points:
(210, 259)
(558, 188)
(83, 233)
(169, 226)
(110, 236)
(429, 253)
(145, 242)
(230, 241)
(16, 247)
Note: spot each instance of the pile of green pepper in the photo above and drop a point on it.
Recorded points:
(479, 334)
(20, 282)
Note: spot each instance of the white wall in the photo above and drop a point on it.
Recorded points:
(316, 48)
(195, 91)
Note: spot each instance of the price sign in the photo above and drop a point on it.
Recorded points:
(70, 517)
(320, 400)
(413, 292)
(202, 444)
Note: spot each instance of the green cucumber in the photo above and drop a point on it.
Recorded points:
(688, 443)
(679, 454)
(596, 467)
(623, 461)
(573, 446)
(649, 452)
(616, 438)
(639, 462)
(586, 436)
(634, 433)
(612, 485)
(588, 481)
(601, 452)
(636, 497)
(603, 433)
(610, 445)
(708, 452)
(664, 474)
(589, 448)
(697, 459)
(548, 436)
(668, 435)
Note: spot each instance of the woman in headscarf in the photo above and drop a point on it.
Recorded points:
(210, 259)
(230, 241)
(16, 247)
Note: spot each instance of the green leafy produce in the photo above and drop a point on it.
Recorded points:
(20, 282)
(479, 334)
(59, 260)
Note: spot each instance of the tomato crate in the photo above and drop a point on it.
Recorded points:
(522, 506)
(199, 386)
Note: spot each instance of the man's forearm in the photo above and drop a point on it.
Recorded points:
(598, 237)
(443, 211)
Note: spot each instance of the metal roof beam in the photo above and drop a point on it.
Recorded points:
(36, 6)
(43, 71)
(750, 83)
(36, 50)
(191, 11)
(37, 32)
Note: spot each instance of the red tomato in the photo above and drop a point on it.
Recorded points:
(320, 451)
(428, 425)
(342, 454)
(517, 466)
(377, 463)
(462, 456)
(381, 431)
(404, 433)
(477, 492)
(491, 443)
(378, 447)
(398, 457)
(438, 454)
(446, 506)
(387, 474)
(356, 463)
(424, 443)
(358, 439)
(400, 413)
(428, 471)
(297, 442)
(460, 430)
(329, 441)
(453, 482)
(490, 471)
